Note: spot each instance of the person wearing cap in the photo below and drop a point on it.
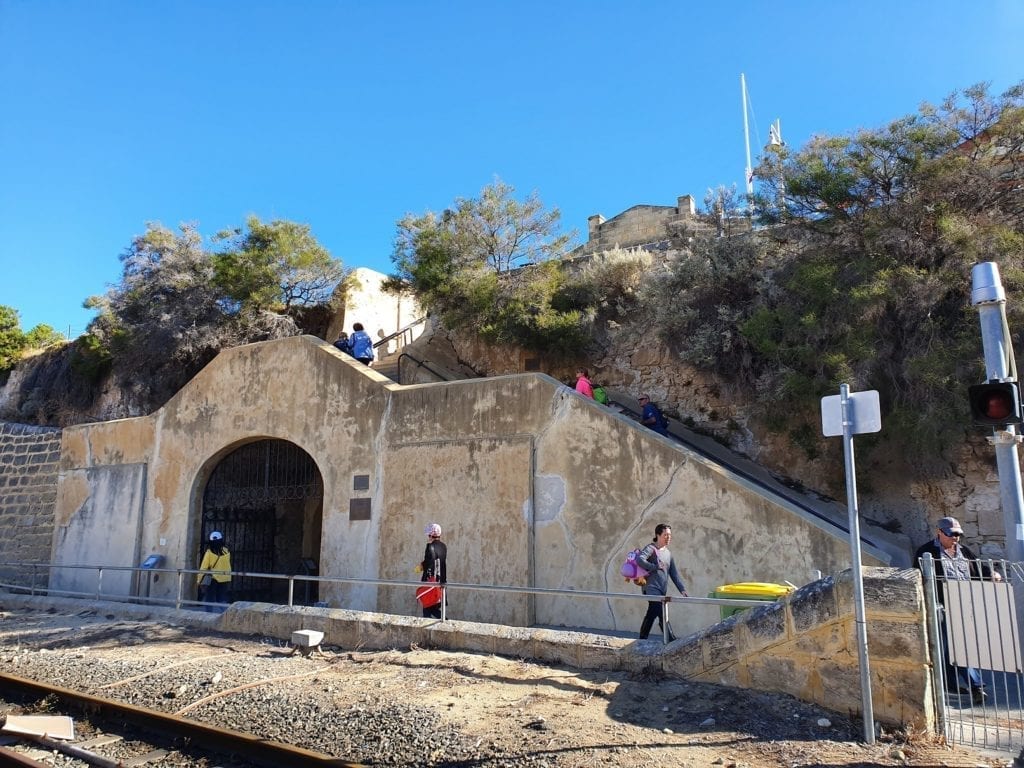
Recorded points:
(955, 562)
(216, 565)
(435, 563)
(651, 416)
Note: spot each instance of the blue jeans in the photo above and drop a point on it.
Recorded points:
(952, 672)
(216, 593)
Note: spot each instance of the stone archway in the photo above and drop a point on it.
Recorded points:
(266, 497)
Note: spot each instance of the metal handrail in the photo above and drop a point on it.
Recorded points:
(748, 476)
(400, 332)
(178, 601)
(421, 364)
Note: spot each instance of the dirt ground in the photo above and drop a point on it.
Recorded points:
(527, 713)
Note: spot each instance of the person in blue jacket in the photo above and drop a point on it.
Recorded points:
(343, 343)
(361, 344)
(651, 416)
(657, 559)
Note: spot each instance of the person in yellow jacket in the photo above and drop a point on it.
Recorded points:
(215, 569)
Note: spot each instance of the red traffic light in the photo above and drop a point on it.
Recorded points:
(995, 403)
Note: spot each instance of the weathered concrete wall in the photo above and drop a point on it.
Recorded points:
(505, 465)
(29, 462)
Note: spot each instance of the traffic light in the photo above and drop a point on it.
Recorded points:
(995, 403)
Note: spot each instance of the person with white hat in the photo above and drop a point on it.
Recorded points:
(434, 566)
(214, 577)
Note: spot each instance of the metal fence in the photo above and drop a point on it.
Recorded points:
(973, 629)
(38, 580)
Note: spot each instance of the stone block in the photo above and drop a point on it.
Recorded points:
(828, 640)
(813, 605)
(778, 673)
(840, 684)
(902, 694)
(719, 645)
(307, 638)
(887, 591)
(895, 639)
(686, 659)
(760, 629)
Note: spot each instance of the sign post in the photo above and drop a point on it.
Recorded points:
(848, 414)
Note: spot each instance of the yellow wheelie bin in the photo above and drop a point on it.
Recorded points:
(749, 590)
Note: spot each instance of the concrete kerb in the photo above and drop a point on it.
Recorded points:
(755, 649)
(353, 630)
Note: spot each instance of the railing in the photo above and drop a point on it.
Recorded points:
(401, 337)
(446, 376)
(179, 600)
(977, 671)
(722, 459)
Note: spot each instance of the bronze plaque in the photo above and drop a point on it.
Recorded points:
(359, 509)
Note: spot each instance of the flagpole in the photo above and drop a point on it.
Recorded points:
(748, 176)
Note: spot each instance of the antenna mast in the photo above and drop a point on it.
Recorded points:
(748, 176)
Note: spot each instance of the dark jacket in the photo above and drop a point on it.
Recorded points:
(436, 554)
(977, 568)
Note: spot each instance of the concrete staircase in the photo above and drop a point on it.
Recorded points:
(388, 365)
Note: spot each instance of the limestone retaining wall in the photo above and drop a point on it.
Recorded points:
(806, 646)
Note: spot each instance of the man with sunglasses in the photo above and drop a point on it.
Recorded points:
(955, 562)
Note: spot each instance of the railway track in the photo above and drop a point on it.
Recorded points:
(152, 738)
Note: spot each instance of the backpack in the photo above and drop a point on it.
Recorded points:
(600, 395)
(632, 569)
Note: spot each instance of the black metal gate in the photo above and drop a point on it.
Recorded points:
(244, 499)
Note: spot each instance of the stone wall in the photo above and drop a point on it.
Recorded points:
(639, 225)
(806, 645)
(29, 463)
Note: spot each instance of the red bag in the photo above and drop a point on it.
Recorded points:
(429, 596)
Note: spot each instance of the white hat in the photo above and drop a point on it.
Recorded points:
(433, 530)
(216, 536)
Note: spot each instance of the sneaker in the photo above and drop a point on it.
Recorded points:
(978, 694)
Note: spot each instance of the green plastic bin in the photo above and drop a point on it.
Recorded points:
(748, 590)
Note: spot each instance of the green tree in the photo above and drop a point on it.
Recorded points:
(14, 342)
(490, 264)
(863, 274)
(168, 316)
(43, 336)
(12, 338)
(277, 265)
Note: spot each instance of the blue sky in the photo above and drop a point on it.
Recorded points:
(347, 115)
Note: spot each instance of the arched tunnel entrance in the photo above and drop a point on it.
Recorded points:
(266, 497)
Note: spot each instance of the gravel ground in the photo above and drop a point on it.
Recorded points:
(416, 707)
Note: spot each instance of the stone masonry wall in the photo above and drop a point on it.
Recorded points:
(29, 462)
(805, 645)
